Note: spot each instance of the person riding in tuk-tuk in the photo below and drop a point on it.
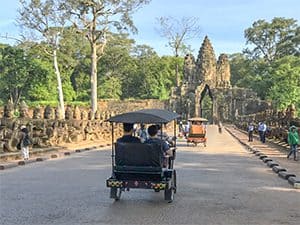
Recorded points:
(153, 131)
(128, 134)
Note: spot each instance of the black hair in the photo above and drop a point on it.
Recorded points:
(152, 130)
(127, 127)
(25, 130)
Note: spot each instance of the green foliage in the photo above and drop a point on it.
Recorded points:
(273, 40)
(20, 74)
(271, 68)
(43, 88)
(284, 75)
(110, 87)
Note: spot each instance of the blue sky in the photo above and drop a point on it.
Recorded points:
(224, 21)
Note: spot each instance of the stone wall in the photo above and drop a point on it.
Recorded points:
(79, 125)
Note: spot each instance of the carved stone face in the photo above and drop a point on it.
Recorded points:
(69, 113)
(77, 114)
(37, 113)
(48, 113)
(8, 111)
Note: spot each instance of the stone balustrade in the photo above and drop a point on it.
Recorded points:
(47, 130)
(278, 122)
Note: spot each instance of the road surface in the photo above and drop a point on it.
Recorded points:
(218, 184)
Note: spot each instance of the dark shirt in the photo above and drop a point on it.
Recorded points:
(164, 144)
(129, 139)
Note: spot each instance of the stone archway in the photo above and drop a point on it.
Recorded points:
(202, 109)
(206, 75)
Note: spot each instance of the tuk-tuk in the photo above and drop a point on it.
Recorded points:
(140, 165)
(197, 131)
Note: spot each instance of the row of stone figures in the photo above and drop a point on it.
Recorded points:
(45, 133)
(278, 123)
(273, 117)
(53, 113)
(79, 125)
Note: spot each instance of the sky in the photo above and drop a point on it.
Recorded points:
(223, 21)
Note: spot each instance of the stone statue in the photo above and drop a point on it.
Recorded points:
(57, 114)
(8, 111)
(23, 110)
(77, 113)
(69, 113)
(48, 112)
(37, 113)
(84, 115)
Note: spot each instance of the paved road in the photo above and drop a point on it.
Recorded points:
(219, 184)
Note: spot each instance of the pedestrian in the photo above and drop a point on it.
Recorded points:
(293, 140)
(262, 128)
(220, 127)
(186, 129)
(142, 133)
(25, 142)
(250, 132)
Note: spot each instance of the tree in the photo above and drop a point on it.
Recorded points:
(178, 32)
(284, 74)
(273, 40)
(95, 19)
(21, 75)
(47, 18)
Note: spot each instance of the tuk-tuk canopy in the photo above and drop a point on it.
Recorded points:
(200, 119)
(146, 116)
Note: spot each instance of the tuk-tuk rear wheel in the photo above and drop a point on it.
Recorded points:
(115, 193)
(169, 193)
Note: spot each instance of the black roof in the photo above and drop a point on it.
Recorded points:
(145, 116)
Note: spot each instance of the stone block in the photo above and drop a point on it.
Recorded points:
(21, 163)
(285, 175)
(293, 181)
(263, 156)
(272, 164)
(54, 156)
(278, 169)
(265, 160)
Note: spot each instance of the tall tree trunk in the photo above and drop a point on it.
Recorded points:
(94, 78)
(59, 86)
(176, 69)
(177, 75)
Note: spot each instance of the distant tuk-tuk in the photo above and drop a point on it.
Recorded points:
(140, 165)
(197, 131)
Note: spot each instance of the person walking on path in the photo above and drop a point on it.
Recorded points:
(262, 128)
(250, 132)
(25, 142)
(293, 140)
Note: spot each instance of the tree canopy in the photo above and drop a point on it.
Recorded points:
(272, 67)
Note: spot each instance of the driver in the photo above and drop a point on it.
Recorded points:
(128, 134)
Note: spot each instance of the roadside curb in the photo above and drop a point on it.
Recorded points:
(282, 172)
(54, 155)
